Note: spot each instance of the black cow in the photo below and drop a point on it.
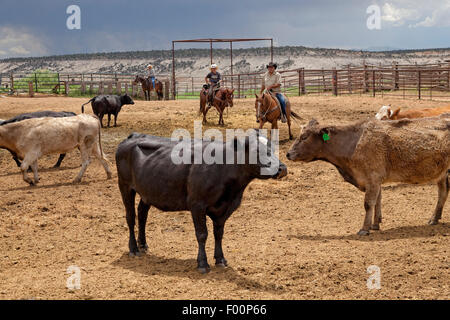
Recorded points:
(108, 104)
(38, 114)
(145, 166)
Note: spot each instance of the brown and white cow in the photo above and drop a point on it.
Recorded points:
(368, 154)
(386, 113)
(30, 139)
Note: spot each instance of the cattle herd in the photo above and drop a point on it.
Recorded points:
(410, 147)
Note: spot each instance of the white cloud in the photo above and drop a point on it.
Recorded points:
(18, 41)
(398, 16)
(417, 13)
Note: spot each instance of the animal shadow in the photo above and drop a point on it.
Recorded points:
(150, 264)
(406, 232)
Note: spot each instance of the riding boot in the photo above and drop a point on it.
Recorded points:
(283, 118)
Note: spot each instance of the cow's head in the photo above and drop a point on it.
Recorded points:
(260, 158)
(386, 113)
(309, 144)
(126, 99)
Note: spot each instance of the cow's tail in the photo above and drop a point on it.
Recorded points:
(82, 106)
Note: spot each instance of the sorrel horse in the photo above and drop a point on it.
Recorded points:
(223, 98)
(147, 87)
(267, 110)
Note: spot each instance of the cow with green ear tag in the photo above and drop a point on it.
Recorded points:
(370, 153)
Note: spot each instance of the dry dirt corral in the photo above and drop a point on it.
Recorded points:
(290, 239)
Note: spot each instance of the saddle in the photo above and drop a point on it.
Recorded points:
(274, 96)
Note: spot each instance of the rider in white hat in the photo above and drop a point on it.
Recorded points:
(213, 80)
(151, 75)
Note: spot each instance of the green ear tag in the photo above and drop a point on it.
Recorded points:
(325, 137)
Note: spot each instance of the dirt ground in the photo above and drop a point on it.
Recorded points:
(291, 239)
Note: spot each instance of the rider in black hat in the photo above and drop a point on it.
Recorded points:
(272, 82)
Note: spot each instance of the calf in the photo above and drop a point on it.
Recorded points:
(38, 114)
(33, 138)
(145, 166)
(386, 113)
(368, 154)
(109, 105)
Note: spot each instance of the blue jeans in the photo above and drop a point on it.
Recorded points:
(153, 82)
(280, 98)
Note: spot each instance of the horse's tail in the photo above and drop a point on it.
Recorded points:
(82, 106)
(295, 115)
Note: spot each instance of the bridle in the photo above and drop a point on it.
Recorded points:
(263, 115)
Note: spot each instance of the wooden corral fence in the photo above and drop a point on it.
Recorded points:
(406, 81)
(430, 81)
(74, 84)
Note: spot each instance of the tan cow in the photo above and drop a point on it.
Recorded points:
(386, 113)
(30, 139)
(368, 154)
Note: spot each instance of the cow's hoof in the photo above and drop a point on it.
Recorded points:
(291, 137)
(363, 233)
(109, 176)
(134, 254)
(32, 183)
(433, 222)
(203, 270)
(143, 248)
(221, 263)
(76, 180)
(374, 227)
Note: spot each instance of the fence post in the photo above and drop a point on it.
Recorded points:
(133, 90)
(30, 89)
(118, 88)
(166, 90)
(66, 88)
(100, 88)
(419, 83)
(396, 76)
(83, 87)
(334, 82)
(126, 87)
(239, 86)
(12, 82)
(110, 88)
(366, 79)
(35, 81)
(299, 82)
(373, 83)
(349, 79)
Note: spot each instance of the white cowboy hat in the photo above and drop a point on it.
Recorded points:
(214, 66)
(149, 66)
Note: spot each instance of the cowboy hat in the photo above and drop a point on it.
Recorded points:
(214, 66)
(271, 64)
(149, 66)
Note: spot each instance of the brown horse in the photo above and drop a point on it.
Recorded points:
(267, 110)
(147, 87)
(223, 98)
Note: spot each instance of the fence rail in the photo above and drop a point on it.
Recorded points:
(428, 81)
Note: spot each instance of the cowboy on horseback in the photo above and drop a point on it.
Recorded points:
(151, 75)
(213, 80)
(271, 82)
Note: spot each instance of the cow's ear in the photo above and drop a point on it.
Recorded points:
(395, 113)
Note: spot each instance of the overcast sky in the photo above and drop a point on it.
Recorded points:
(36, 28)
